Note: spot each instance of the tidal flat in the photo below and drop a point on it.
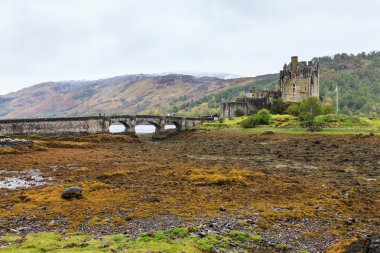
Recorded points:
(236, 191)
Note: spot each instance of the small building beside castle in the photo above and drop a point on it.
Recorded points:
(298, 80)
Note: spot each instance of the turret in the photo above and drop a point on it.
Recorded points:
(293, 64)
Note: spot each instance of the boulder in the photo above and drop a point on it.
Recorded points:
(374, 244)
(371, 244)
(72, 192)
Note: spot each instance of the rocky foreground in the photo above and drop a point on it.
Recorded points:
(297, 193)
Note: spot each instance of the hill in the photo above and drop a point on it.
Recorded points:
(131, 94)
(357, 76)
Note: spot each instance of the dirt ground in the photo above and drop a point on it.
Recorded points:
(306, 191)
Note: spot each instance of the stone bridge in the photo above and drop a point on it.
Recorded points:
(93, 124)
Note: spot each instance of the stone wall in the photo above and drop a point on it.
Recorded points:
(54, 126)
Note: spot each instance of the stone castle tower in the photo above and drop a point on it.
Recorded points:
(298, 80)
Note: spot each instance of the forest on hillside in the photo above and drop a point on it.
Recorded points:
(358, 80)
(356, 76)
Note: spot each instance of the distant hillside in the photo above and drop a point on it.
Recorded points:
(357, 76)
(358, 80)
(131, 94)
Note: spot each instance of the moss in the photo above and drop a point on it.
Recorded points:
(43, 241)
(174, 246)
(179, 232)
(160, 236)
(8, 150)
(96, 220)
(282, 247)
(243, 236)
(10, 238)
(218, 177)
(211, 241)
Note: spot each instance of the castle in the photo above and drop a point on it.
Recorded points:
(297, 81)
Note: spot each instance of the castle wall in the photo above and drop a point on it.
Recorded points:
(228, 110)
(248, 105)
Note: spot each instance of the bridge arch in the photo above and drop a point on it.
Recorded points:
(119, 126)
(177, 125)
(142, 122)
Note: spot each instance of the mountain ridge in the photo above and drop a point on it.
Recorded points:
(126, 94)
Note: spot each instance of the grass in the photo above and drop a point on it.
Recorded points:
(172, 241)
(288, 124)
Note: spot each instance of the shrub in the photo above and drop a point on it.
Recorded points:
(239, 112)
(262, 117)
(278, 106)
(293, 109)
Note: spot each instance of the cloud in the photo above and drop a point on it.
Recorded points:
(89, 39)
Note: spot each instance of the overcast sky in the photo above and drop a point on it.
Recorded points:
(52, 40)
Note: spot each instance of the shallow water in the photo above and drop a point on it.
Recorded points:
(140, 129)
(21, 179)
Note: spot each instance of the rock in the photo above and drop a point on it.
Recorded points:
(72, 192)
(371, 244)
(222, 209)
(374, 244)
(350, 221)
(202, 234)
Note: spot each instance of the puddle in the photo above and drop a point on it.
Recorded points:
(21, 179)
(7, 142)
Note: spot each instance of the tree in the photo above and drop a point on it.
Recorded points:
(309, 108)
(328, 107)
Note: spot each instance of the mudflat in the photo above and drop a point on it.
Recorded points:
(307, 191)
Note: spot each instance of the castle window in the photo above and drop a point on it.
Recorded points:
(294, 87)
